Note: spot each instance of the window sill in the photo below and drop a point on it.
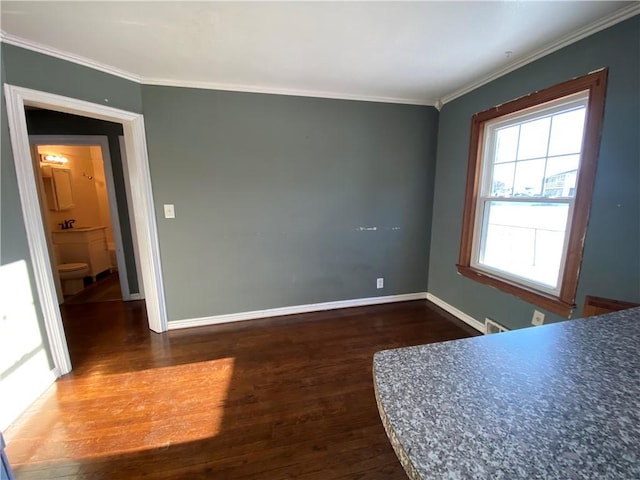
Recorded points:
(548, 302)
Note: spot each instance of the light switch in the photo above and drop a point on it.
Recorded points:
(169, 211)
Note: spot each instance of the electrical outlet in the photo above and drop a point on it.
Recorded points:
(538, 318)
(169, 211)
(380, 283)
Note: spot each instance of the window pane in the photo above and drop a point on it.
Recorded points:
(502, 180)
(561, 175)
(534, 137)
(525, 239)
(507, 144)
(528, 179)
(566, 132)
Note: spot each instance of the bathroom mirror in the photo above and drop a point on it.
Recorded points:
(58, 188)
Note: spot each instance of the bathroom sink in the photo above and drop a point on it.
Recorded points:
(79, 229)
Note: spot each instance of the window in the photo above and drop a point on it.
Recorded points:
(530, 175)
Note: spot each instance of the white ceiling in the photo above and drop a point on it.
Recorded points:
(405, 52)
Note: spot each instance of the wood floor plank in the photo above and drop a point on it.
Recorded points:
(281, 398)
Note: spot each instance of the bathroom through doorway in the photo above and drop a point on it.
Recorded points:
(81, 218)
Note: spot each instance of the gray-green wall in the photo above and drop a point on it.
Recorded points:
(13, 244)
(276, 196)
(29, 69)
(611, 263)
(286, 200)
(32, 70)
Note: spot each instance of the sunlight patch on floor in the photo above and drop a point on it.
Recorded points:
(128, 412)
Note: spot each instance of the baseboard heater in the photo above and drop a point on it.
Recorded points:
(491, 326)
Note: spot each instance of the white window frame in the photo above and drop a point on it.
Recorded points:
(563, 104)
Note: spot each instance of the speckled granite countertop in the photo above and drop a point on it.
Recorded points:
(561, 401)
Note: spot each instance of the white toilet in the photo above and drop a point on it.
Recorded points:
(71, 274)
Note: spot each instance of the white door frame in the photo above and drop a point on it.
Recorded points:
(134, 239)
(101, 141)
(142, 202)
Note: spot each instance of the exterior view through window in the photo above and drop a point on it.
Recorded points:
(531, 168)
(528, 189)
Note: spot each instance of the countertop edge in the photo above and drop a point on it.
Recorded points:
(402, 455)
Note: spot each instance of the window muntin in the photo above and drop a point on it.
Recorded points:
(514, 177)
(530, 164)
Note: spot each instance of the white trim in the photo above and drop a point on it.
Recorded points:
(144, 224)
(114, 217)
(63, 55)
(87, 62)
(284, 91)
(277, 312)
(605, 22)
(103, 142)
(468, 319)
(134, 239)
(34, 227)
(138, 171)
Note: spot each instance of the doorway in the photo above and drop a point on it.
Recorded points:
(137, 171)
(94, 217)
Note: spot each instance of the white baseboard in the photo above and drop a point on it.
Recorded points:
(276, 312)
(468, 319)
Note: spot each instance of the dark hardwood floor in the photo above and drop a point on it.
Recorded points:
(283, 398)
(105, 289)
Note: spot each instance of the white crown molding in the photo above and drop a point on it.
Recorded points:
(86, 62)
(277, 312)
(605, 22)
(61, 54)
(468, 319)
(608, 21)
(284, 91)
